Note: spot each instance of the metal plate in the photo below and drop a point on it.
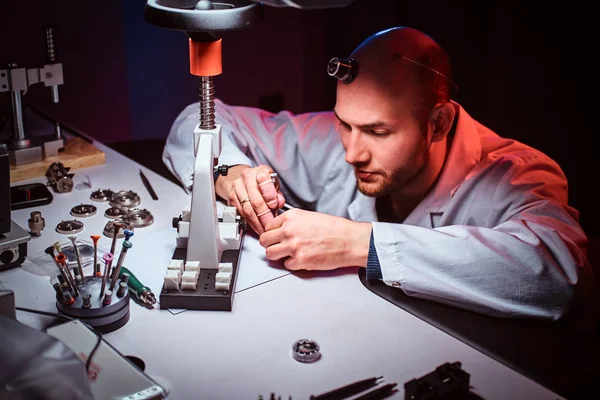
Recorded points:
(102, 195)
(125, 199)
(109, 228)
(139, 217)
(69, 227)
(115, 213)
(83, 210)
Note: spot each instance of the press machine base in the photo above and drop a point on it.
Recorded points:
(205, 297)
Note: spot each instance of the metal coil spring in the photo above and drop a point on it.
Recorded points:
(207, 102)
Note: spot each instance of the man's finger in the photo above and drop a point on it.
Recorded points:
(276, 222)
(267, 189)
(262, 210)
(276, 252)
(245, 207)
(270, 238)
(291, 264)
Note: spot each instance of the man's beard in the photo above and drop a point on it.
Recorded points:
(397, 179)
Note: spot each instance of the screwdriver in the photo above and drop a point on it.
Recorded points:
(143, 293)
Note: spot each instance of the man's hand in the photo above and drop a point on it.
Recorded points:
(252, 192)
(315, 241)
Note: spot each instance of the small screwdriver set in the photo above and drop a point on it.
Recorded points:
(101, 299)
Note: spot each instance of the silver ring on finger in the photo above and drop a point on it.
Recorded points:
(244, 201)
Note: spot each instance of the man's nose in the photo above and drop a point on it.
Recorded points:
(356, 151)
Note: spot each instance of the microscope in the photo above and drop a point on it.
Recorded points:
(17, 80)
(208, 247)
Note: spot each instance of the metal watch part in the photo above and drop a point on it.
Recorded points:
(109, 228)
(306, 351)
(69, 227)
(139, 217)
(102, 195)
(83, 210)
(59, 177)
(115, 213)
(125, 199)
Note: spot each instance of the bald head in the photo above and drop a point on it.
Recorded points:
(400, 64)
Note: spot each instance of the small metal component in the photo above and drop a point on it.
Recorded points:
(67, 297)
(59, 177)
(78, 279)
(125, 277)
(107, 258)
(122, 289)
(125, 199)
(61, 263)
(77, 256)
(117, 225)
(115, 213)
(126, 246)
(306, 351)
(102, 195)
(56, 246)
(83, 210)
(109, 228)
(87, 300)
(128, 234)
(148, 297)
(57, 289)
(63, 284)
(139, 217)
(69, 227)
(36, 223)
(95, 239)
(107, 298)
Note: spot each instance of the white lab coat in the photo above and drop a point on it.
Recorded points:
(495, 235)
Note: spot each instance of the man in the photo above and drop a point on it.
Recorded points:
(400, 180)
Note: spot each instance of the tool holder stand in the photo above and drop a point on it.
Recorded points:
(17, 80)
(104, 318)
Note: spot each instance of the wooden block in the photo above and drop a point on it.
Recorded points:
(77, 153)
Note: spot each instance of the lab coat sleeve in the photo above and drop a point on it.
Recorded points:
(301, 148)
(528, 258)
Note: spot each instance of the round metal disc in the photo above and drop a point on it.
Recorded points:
(139, 217)
(109, 228)
(102, 195)
(114, 213)
(125, 199)
(64, 185)
(305, 350)
(183, 15)
(83, 210)
(69, 227)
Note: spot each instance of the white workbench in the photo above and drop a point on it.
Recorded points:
(247, 352)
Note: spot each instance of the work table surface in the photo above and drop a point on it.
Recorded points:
(247, 352)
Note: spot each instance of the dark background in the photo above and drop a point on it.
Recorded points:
(523, 68)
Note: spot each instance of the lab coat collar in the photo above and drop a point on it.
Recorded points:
(463, 156)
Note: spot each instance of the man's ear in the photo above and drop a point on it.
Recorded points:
(441, 120)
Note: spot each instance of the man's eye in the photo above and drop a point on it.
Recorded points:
(377, 132)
